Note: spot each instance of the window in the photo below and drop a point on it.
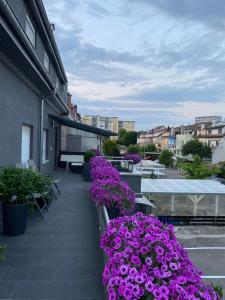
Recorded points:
(26, 143)
(46, 61)
(220, 131)
(45, 145)
(210, 131)
(57, 83)
(30, 31)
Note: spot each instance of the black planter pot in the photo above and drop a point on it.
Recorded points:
(113, 212)
(14, 219)
(86, 171)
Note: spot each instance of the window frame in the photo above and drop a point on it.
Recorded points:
(46, 59)
(45, 145)
(30, 30)
(31, 142)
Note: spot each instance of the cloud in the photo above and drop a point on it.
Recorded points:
(145, 59)
(208, 12)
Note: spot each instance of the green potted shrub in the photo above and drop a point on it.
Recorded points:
(16, 188)
(86, 170)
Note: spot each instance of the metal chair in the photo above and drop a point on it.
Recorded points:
(55, 182)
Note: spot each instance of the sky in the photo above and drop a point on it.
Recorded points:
(152, 61)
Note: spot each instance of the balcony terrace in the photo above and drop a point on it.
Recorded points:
(59, 257)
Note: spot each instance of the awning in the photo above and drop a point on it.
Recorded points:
(70, 123)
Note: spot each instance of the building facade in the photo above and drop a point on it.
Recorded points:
(127, 125)
(205, 119)
(33, 86)
(210, 134)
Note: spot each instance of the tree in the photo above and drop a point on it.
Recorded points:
(130, 138)
(110, 148)
(133, 149)
(195, 147)
(197, 169)
(166, 158)
(150, 148)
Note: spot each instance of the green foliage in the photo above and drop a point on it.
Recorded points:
(17, 185)
(219, 290)
(195, 147)
(133, 149)
(130, 138)
(110, 148)
(88, 155)
(166, 158)
(150, 148)
(197, 169)
(221, 169)
(122, 133)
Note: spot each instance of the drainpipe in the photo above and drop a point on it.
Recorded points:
(41, 133)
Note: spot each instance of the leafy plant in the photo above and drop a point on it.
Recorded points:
(133, 149)
(88, 155)
(195, 147)
(218, 289)
(110, 148)
(166, 158)
(197, 169)
(17, 185)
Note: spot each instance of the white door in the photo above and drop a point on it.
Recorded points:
(26, 143)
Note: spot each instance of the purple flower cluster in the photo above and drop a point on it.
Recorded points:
(147, 262)
(113, 193)
(108, 189)
(103, 169)
(97, 161)
(135, 157)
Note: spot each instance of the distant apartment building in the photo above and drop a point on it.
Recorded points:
(127, 125)
(103, 122)
(153, 136)
(206, 119)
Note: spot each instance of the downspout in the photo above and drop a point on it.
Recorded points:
(41, 133)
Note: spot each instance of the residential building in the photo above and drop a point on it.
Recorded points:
(127, 125)
(103, 122)
(218, 153)
(145, 138)
(33, 92)
(206, 119)
(33, 85)
(184, 135)
(73, 113)
(210, 134)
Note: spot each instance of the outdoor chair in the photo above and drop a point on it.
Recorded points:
(55, 183)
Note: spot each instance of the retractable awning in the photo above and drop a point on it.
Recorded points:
(70, 123)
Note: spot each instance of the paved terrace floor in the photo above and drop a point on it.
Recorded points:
(57, 258)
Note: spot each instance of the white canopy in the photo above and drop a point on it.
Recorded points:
(182, 186)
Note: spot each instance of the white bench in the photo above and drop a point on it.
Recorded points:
(74, 159)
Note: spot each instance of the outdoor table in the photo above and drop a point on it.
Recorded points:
(195, 190)
(125, 161)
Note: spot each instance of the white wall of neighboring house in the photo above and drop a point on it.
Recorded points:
(218, 153)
